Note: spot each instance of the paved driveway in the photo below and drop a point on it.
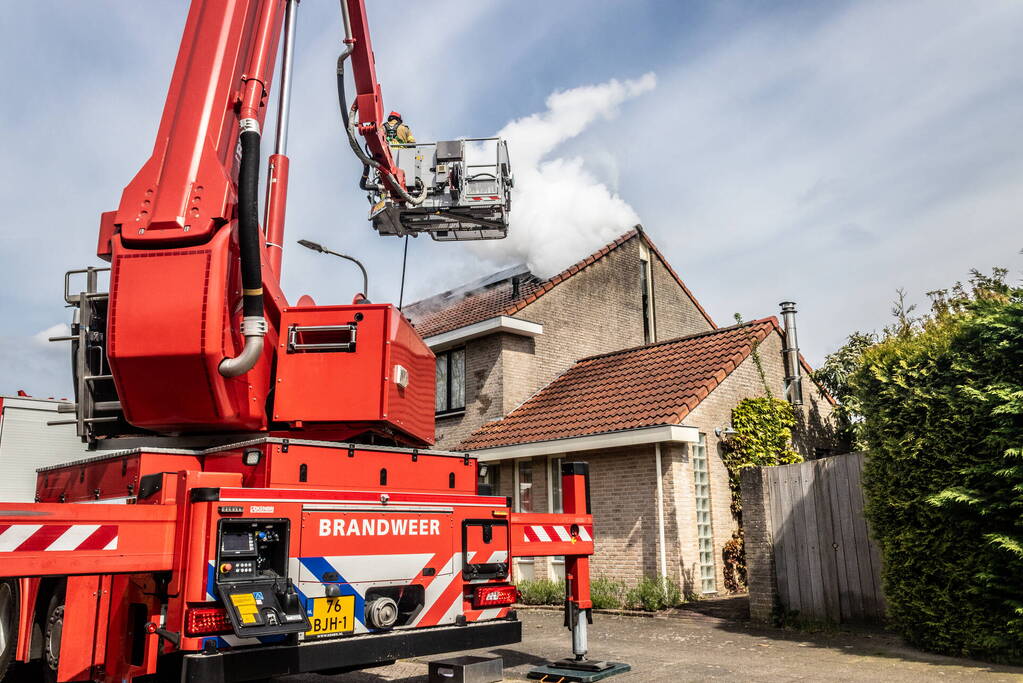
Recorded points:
(696, 647)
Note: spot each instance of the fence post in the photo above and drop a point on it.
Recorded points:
(759, 544)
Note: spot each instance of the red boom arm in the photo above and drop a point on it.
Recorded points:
(183, 259)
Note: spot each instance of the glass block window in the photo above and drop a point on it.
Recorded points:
(450, 394)
(704, 531)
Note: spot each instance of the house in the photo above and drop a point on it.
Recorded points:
(613, 362)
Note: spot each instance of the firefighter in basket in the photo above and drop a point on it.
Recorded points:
(396, 132)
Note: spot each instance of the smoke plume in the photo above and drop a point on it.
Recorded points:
(560, 211)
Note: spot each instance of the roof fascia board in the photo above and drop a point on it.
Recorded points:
(500, 323)
(630, 437)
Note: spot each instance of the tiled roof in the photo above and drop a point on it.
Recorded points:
(645, 386)
(452, 310)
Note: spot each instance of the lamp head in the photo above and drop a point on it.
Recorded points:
(312, 245)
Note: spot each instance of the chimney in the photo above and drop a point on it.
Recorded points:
(790, 354)
(515, 287)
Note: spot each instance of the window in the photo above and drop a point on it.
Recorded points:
(704, 530)
(450, 381)
(557, 566)
(555, 480)
(647, 289)
(492, 480)
(524, 492)
(525, 568)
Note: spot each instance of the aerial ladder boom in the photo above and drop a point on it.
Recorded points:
(189, 338)
(263, 500)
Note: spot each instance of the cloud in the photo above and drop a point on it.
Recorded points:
(35, 364)
(560, 210)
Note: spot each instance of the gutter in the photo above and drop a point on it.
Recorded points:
(501, 323)
(657, 434)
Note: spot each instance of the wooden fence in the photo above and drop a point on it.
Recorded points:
(825, 565)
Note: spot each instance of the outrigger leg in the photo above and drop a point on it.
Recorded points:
(578, 606)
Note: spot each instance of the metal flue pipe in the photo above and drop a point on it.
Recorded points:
(793, 369)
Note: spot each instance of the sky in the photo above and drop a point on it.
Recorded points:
(828, 153)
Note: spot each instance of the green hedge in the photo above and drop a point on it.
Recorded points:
(942, 419)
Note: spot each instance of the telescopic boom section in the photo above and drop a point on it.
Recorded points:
(187, 314)
(368, 98)
(186, 191)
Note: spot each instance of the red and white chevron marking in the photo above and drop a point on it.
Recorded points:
(557, 533)
(51, 537)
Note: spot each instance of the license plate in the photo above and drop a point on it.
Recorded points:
(332, 616)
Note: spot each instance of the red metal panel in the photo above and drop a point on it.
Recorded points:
(113, 477)
(543, 535)
(318, 389)
(362, 470)
(28, 591)
(141, 538)
(78, 640)
(411, 408)
(361, 497)
(188, 180)
(170, 316)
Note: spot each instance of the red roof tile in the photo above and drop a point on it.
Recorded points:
(444, 313)
(646, 386)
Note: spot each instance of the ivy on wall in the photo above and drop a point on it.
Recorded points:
(763, 437)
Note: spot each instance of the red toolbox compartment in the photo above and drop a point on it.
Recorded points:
(362, 364)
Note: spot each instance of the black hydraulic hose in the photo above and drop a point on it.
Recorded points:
(254, 325)
(366, 160)
(343, 104)
(248, 225)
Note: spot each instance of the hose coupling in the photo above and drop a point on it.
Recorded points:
(248, 125)
(254, 326)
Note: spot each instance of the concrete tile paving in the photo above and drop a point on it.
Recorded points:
(695, 647)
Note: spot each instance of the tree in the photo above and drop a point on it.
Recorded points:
(835, 374)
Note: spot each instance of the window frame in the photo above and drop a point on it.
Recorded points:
(646, 283)
(446, 355)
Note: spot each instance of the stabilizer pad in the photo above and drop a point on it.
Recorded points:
(593, 671)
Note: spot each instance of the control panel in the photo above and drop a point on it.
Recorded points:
(252, 578)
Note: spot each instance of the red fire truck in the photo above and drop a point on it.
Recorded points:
(261, 498)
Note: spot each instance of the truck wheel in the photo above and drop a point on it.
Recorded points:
(53, 629)
(8, 624)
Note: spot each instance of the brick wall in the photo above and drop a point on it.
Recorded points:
(716, 411)
(595, 311)
(674, 312)
(756, 521)
(484, 391)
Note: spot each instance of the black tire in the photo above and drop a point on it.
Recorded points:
(53, 628)
(8, 624)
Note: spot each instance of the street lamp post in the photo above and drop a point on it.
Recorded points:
(323, 250)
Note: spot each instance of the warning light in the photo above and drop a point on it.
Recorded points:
(494, 596)
(203, 621)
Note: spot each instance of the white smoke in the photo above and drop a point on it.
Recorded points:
(560, 211)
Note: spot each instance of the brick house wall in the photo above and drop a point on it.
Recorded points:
(624, 484)
(597, 310)
(716, 411)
